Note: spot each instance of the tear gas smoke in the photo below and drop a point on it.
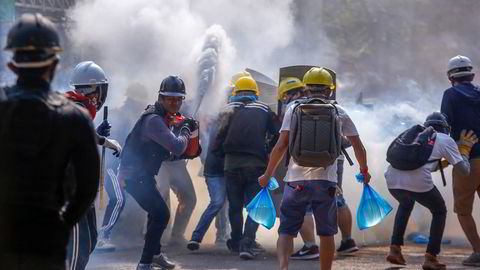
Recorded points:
(393, 51)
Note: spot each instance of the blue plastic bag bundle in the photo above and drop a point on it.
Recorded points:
(262, 209)
(372, 208)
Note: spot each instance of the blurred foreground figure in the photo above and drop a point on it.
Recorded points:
(461, 105)
(47, 144)
(160, 134)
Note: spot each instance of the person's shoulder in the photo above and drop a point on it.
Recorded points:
(445, 140)
(258, 105)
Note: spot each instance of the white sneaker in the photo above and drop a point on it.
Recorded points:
(105, 245)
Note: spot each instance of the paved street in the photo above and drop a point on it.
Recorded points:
(214, 257)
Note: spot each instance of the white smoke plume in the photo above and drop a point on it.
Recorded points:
(146, 40)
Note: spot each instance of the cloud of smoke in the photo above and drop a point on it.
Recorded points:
(393, 51)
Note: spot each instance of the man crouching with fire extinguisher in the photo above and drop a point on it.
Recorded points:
(160, 134)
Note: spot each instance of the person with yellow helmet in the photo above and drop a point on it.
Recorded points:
(319, 83)
(245, 123)
(315, 186)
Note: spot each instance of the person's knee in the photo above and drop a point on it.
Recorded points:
(440, 210)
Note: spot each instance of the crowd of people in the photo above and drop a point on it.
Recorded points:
(50, 166)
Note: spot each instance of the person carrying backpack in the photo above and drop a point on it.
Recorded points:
(461, 105)
(312, 168)
(413, 156)
(245, 124)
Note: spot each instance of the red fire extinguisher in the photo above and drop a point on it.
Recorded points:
(193, 144)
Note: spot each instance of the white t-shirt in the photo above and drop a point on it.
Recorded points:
(420, 180)
(296, 172)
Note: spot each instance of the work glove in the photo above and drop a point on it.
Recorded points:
(191, 123)
(466, 142)
(104, 128)
(114, 145)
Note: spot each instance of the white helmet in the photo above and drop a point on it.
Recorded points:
(89, 78)
(459, 66)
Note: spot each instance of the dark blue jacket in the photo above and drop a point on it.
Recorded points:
(461, 105)
(245, 128)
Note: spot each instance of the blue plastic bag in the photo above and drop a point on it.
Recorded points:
(262, 210)
(273, 184)
(372, 208)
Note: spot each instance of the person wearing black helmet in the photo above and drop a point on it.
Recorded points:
(46, 143)
(160, 134)
(408, 185)
(461, 105)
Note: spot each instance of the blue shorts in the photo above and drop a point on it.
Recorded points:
(298, 195)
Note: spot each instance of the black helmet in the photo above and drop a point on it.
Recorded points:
(34, 41)
(172, 86)
(438, 121)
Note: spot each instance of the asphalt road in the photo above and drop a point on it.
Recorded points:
(218, 257)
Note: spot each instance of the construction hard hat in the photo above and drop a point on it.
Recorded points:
(459, 66)
(237, 76)
(318, 76)
(172, 86)
(89, 78)
(34, 42)
(246, 83)
(289, 84)
(438, 121)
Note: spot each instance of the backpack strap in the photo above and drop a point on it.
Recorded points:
(442, 173)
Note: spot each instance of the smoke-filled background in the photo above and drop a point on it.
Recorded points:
(392, 54)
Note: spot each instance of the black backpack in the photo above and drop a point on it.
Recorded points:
(412, 149)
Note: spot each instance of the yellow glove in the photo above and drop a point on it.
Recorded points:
(466, 142)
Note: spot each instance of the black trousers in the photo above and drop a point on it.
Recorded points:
(432, 200)
(242, 187)
(83, 239)
(145, 192)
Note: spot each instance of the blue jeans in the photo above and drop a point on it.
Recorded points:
(217, 190)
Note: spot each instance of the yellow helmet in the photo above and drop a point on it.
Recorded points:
(237, 76)
(246, 83)
(318, 76)
(288, 84)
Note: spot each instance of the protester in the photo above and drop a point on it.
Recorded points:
(461, 105)
(245, 124)
(90, 92)
(49, 163)
(312, 185)
(410, 186)
(151, 142)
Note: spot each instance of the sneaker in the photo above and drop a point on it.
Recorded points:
(193, 245)
(257, 248)
(246, 249)
(105, 245)
(347, 246)
(162, 262)
(232, 246)
(431, 263)
(472, 260)
(145, 266)
(395, 256)
(306, 253)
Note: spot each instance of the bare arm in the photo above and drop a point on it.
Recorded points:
(275, 157)
(360, 155)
